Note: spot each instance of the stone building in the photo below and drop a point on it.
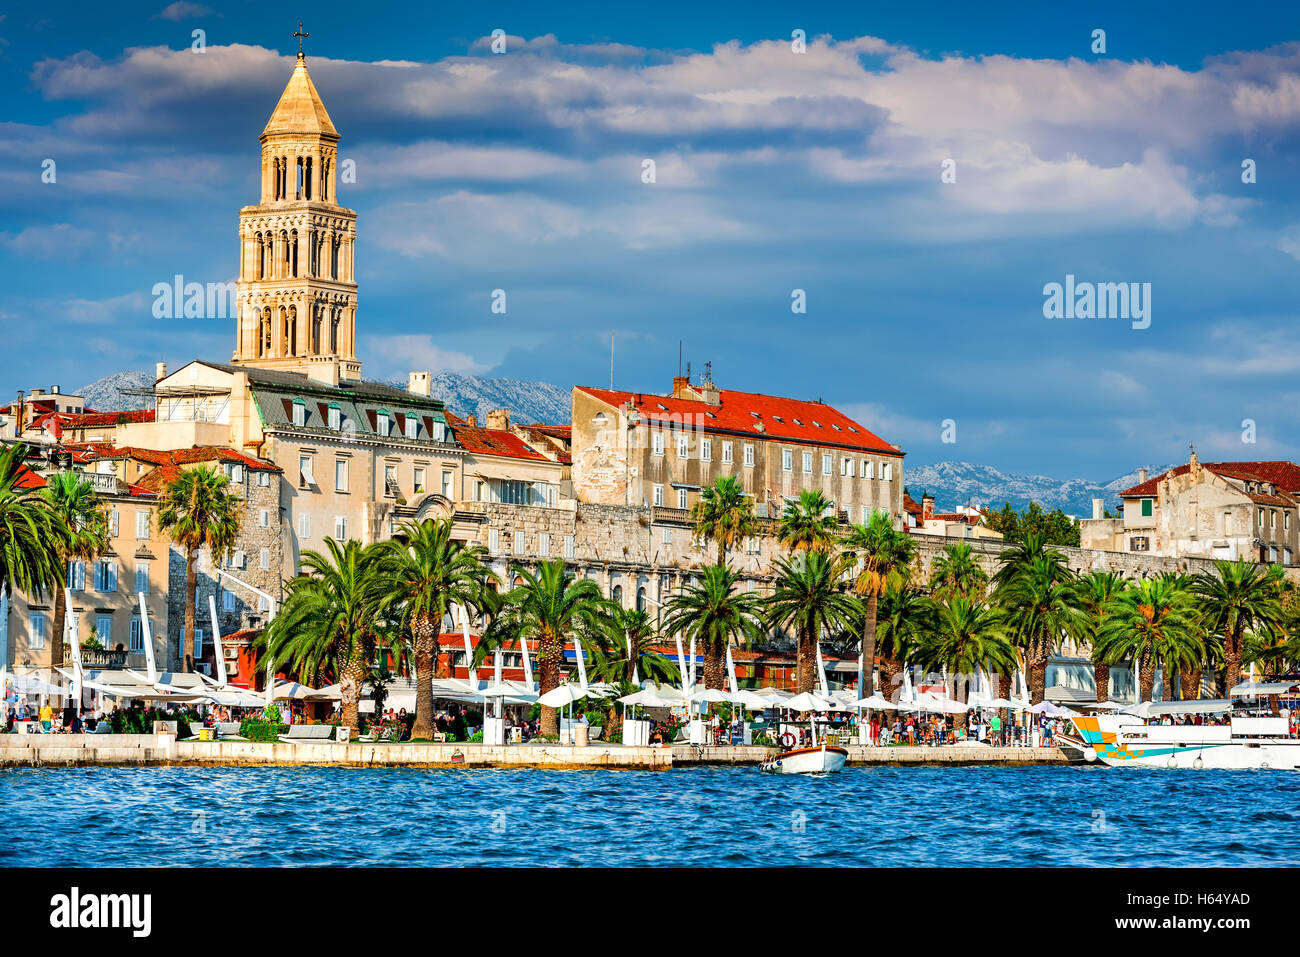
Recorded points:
(297, 291)
(641, 449)
(105, 591)
(1221, 510)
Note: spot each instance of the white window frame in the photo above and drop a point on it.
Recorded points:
(306, 471)
(36, 629)
(656, 442)
(728, 453)
(682, 497)
(807, 463)
(683, 446)
(544, 544)
(340, 475)
(706, 449)
(304, 525)
(570, 546)
(142, 575)
(787, 458)
(658, 499)
(828, 463)
(340, 528)
(141, 523)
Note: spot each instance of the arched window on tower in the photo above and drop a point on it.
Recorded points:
(291, 336)
(293, 254)
(284, 255)
(334, 257)
(315, 329)
(616, 595)
(325, 166)
(260, 265)
(264, 334)
(297, 180)
(640, 598)
(334, 331)
(306, 180)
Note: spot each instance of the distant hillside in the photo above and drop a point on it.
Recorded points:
(963, 483)
(464, 395)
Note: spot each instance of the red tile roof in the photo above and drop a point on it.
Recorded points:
(1285, 475)
(789, 420)
(496, 442)
(203, 453)
(91, 420)
(910, 504)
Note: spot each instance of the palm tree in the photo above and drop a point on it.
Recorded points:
(808, 524)
(629, 651)
(78, 510)
(905, 616)
(426, 573)
(810, 595)
(714, 610)
(1035, 592)
(333, 618)
(198, 510)
(1151, 623)
(967, 635)
(884, 556)
(31, 534)
(1240, 598)
(1095, 591)
(553, 606)
(957, 572)
(724, 515)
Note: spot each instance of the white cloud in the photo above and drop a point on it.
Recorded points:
(405, 353)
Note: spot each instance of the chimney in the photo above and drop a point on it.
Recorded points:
(1142, 477)
(1099, 505)
(419, 383)
(498, 419)
(681, 384)
(471, 420)
(159, 371)
(55, 390)
(927, 506)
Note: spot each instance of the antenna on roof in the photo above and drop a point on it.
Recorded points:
(611, 360)
(679, 357)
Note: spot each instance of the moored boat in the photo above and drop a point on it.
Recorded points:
(822, 759)
(1246, 741)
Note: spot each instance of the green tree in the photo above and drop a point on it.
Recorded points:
(715, 611)
(1237, 598)
(905, 617)
(332, 619)
(883, 557)
(427, 572)
(958, 572)
(966, 635)
(629, 650)
(808, 524)
(724, 515)
(198, 510)
(552, 606)
(32, 537)
(1095, 591)
(1035, 591)
(79, 512)
(1153, 622)
(1054, 527)
(810, 596)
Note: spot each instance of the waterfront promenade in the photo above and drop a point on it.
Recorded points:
(80, 750)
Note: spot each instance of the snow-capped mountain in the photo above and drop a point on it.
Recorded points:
(464, 395)
(965, 483)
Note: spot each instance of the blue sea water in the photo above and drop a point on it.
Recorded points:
(980, 816)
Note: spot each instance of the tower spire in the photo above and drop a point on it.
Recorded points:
(301, 36)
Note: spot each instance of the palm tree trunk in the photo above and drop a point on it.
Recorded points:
(1192, 687)
(424, 633)
(1037, 665)
(1146, 681)
(890, 669)
(960, 687)
(1167, 677)
(57, 651)
(1231, 661)
(1101, 678)
(869, 647)
(191, 585)
(714, 665)
(1004, 692)
(550, 651)
(351, 674)
(1187, 684)
(807, 661)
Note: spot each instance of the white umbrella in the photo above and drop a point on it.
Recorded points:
(810, 702)
(1052, 711)
(328, 693)
(711, 695)
(293, 690)
(753, 700)
(875, 701)
(649, 698)
(562, 695)
(236, 698)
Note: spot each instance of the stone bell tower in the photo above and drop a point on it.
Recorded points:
(297, 289)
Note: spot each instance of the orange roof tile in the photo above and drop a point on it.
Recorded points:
(787, 420)
(1285, 475)
(496, 442)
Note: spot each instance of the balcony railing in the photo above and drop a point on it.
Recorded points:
(100, 658)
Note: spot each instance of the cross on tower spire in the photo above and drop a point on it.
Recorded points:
(301, 36)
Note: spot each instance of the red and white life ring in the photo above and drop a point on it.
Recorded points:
(787, 740)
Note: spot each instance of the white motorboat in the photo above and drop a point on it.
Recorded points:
(821, 759)
(1246, 741)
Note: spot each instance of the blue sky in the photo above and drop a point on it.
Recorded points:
(775, 171)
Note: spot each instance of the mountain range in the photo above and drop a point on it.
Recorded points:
(965, 483)
(464, 394)
(951, 483)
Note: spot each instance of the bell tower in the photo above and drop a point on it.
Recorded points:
(297, 289)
